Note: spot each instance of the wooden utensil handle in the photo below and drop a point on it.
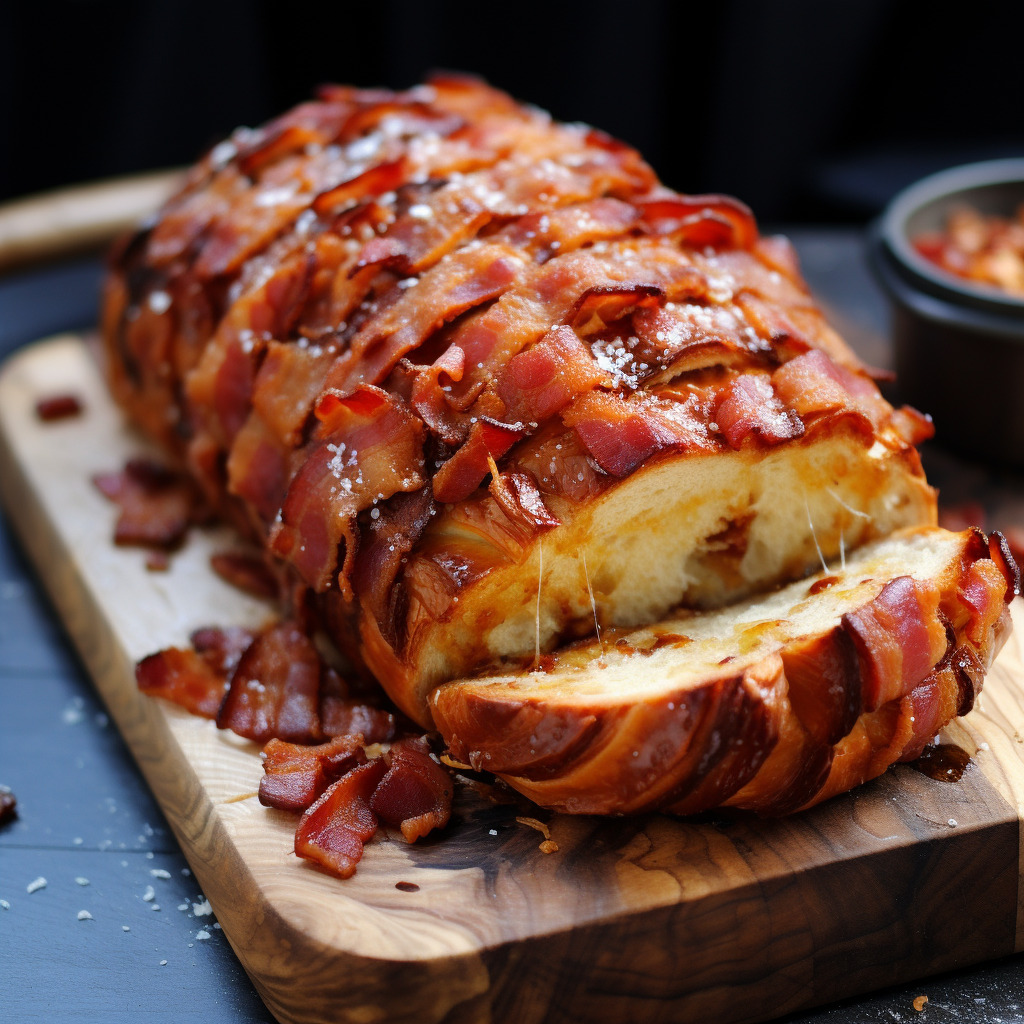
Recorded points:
(55, 223)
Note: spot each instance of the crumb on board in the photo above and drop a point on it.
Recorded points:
(548, 845)
(58, 407)
(919, 1003)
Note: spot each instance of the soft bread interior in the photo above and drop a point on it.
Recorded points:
(694, 530)
(687, 649)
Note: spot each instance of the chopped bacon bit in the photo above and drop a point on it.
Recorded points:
(295, 776)
(157, 505)
(416, 793)
(919, 1003)
(185, 677)
(58, 407)
(246, 571)
(548, 846)
(8, 806)
(332, 832)
(275, 689)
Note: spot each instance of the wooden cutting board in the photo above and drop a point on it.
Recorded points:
(726, 919)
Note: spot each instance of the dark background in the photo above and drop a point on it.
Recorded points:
(810, 110)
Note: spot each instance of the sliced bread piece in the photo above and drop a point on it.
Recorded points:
(772, 704)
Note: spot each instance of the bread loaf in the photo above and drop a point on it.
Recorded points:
(481, 385)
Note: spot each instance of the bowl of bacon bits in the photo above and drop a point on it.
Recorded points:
(949, 252)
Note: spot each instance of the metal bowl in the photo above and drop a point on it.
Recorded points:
(959, 345)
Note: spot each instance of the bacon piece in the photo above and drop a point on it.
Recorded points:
(463, 472)
(296, 775)
(384, 177)
(367, 447)
(58, 407)
(701, 221)
(157, 504)
(748, 406)
(185, 677)
(275, 689)
(390, 538)
(246, 571)
(899, 638)
(546, 377)
(222, 647)
(984, 590)
(428, 396)
(812, 384)
(570, 227)
(622, 433)
(416, 791)
(467, 279)
(332, 832)
(344, 715)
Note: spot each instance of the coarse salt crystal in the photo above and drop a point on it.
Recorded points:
(149, 895)
(39, 883)
(125, 928)
(163, 963)
(952, 822)
(202, 935)
(159, 302)
(84, 915)
(82, 881)
(202, 909)
(159, 873)
(4, 905)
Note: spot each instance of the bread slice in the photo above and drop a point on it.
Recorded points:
(773, 703)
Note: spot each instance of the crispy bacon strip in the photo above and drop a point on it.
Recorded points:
(621, 434)
(747, 406)
(295, 776)
(332, 832)
(899, 637)
(367, 447)
(275, 689)
(184, 677)
(157, 505)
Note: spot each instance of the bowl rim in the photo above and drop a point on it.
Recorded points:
(943, 184)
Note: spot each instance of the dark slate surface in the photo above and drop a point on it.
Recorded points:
(88, 825)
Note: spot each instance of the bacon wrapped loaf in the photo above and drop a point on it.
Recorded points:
(482, 386)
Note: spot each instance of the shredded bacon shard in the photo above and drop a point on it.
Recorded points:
(295, 775)
(332, 832)
(157, 505)
(58, 407)
(416, 791)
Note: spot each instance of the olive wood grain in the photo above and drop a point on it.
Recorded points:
(725, 918)
(63, 221)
